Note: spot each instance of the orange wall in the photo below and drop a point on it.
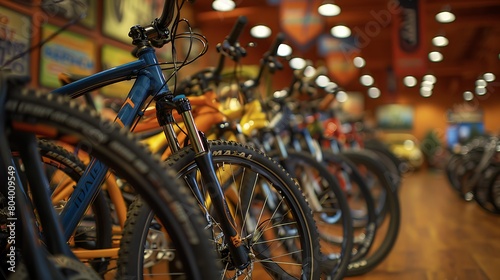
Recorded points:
(431, 113)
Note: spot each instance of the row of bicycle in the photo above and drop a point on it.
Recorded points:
(188, 182)
(474, 172)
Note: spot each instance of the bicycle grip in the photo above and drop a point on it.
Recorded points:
(280, 38)
(237, 29)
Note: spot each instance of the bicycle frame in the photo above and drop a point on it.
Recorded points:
(149, 82)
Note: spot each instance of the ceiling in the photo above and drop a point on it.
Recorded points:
(474, 37)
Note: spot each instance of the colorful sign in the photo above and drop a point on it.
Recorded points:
(409, 52)
(15, 33)
(72, 10)
(110, 57)
(395, 116)
(301, 22)
(67, 52)
(120, 15)
(339, 54)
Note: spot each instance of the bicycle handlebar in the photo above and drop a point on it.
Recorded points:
(167, 14)
(237, 29)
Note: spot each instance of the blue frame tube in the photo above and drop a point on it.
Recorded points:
(149, 81)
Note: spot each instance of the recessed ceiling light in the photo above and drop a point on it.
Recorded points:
(322, 80)
(468, 96)
(366, 80)
(297, 63)
(329, 10)
(427, 84)
(435, 56)
(440, 41)
(309, 71)
(223, 5)
(341, 31)
(489, 77)
(331, 87)
(359, 62)
(445, 17)
(284, 50)
(481, 83)
(341, 96)
(429, 78)
(374, 92)
(260, 31)
(425, 91)
(410, 81)
(480, 90)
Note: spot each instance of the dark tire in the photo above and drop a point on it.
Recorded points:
(54, 117)
(359, 196)
(331, 210)
(256, 187)
(388, 220)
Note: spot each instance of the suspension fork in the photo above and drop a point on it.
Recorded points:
(203, 159)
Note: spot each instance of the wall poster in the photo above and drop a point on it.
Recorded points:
(73, 9)
(15, 34)
(117, 21)
(67, 52)
(395, 117)
(110, 57)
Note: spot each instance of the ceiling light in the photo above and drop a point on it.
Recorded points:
(341, 31)
(425, 91)
(410, 81)
(260, 31)
(489, 77)
(223, 5)
(429, 78)
(359, 62)
(331, 87)
(309, 71)
(374, 92)
(468, 96)
(481, 83)
(297, 63)
(341, 96)
(366, 80)
(445, 17)
(284, 50)
(480, 90)
(435, 56)
(427, 84)
(440, 41)
(328, 9)
(322, 80)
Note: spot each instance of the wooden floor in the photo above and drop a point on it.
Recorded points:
(442, 237)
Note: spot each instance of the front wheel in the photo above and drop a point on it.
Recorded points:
(270, 212)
